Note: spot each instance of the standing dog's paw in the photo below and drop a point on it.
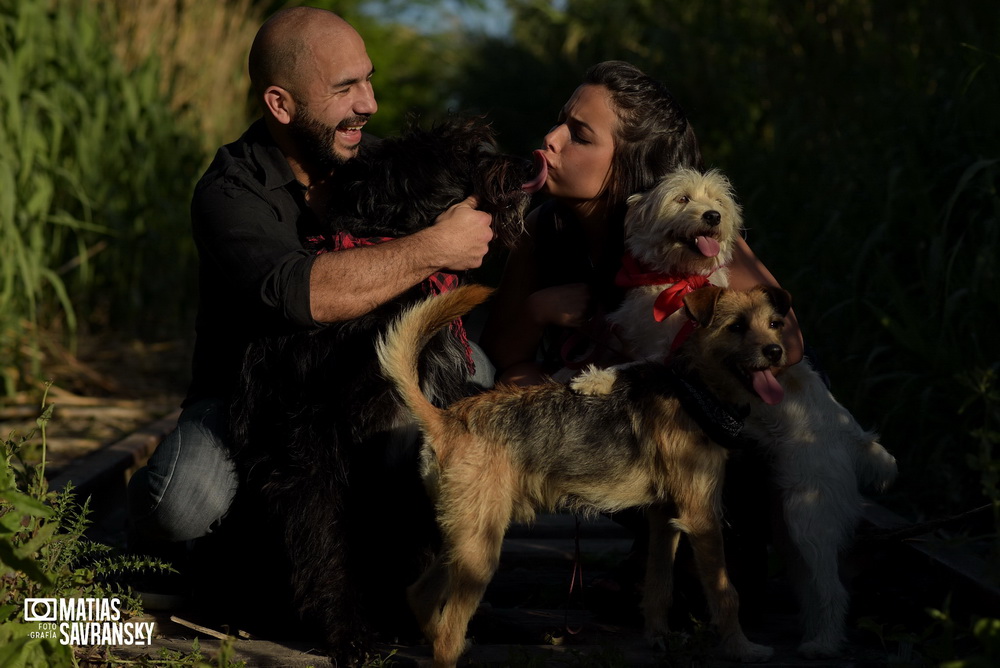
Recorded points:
(663, 639)
(738, 648)
(815, 649)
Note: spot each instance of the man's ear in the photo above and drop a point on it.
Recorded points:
(700, 304)
(280, 103)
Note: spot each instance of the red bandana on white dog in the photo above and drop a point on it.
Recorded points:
(632, 275)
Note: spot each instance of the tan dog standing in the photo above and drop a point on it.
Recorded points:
(616, 438)
(684, 230)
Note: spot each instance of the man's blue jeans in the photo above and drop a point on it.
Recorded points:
(188, 484)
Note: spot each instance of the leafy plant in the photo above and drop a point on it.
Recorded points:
(944, 642)
(43, 553)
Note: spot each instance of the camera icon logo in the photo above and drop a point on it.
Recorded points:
(40, 610)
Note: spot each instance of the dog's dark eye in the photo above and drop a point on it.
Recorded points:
(683, 199)
(777, 323)
(737, 327)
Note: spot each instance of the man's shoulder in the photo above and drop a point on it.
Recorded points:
(232, 162)
(252, 162)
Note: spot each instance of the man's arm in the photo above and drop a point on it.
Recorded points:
(350, 283)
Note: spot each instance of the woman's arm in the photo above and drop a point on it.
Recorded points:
(511, 335)
(745, 272)
(520, 312)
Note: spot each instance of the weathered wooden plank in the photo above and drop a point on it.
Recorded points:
(106, 465)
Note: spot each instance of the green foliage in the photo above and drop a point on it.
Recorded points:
(382, 661)
(95, 179)
(25, 526)
(43, 553)
(982, 407)
(944, 642)
(861, 138)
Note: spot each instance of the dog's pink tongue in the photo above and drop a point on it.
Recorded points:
(535, 184)
(767, 387)
(707, 246)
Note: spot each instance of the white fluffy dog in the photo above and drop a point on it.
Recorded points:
(680, 236)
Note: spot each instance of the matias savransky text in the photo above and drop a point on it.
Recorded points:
(85, 621)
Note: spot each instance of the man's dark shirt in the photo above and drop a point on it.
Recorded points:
(249, 217)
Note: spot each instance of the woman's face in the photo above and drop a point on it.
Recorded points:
(578, 150)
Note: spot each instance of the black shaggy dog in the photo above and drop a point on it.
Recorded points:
(315, 425)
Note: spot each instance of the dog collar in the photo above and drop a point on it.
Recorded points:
(722, 422)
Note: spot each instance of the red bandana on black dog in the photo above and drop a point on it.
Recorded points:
(437, 283)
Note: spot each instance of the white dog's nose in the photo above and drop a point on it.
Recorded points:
(712, 218)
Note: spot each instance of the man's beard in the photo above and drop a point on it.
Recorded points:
(316, 140)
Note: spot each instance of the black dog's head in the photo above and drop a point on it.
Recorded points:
(402, 184)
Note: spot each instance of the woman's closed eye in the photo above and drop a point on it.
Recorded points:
(578, 133)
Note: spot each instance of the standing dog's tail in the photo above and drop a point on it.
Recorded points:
(399, 349)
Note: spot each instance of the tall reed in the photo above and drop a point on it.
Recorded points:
(95, 175)
(201, 51)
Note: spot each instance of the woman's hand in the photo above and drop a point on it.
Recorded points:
(561, 305)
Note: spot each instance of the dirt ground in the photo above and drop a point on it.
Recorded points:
(101, 392)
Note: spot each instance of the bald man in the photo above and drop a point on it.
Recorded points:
(261, 196)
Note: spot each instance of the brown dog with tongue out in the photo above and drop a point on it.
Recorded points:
(613, 439)
(679, 238)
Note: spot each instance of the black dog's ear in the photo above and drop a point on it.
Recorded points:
(780, 298)
(700, 304)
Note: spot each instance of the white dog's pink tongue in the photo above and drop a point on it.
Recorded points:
(707, 246)
(767, 387)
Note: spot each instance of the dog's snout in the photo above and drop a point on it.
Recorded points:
(712, 218)
(773, 352)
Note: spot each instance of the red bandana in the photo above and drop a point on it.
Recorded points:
(437, 283)
(632, 275)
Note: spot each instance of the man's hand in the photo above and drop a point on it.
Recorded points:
(461, 235)
(561, 305)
